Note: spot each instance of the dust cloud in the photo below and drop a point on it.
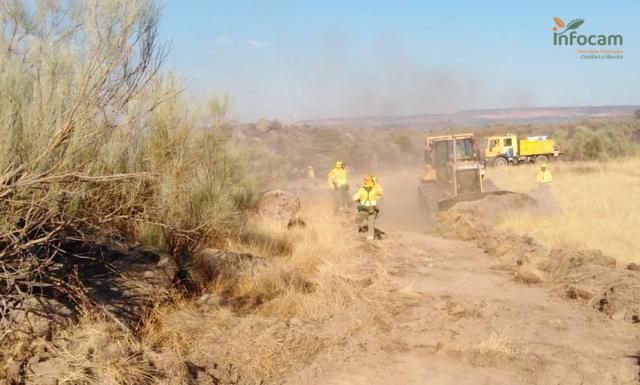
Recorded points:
(399, 209)
(546, 202)
(342, 78)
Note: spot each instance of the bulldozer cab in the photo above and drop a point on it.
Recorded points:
(454, 164)
(453, 172)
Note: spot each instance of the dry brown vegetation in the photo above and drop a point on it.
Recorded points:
(501, 345)
(598, 201)
(258, 321)
(102, 160)
(106, 172)
(293, 307)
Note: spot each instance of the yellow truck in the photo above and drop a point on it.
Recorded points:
(502, 150)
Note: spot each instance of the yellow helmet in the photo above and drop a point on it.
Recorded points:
(368, 180)
(339, 164)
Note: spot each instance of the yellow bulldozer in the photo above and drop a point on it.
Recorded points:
(453, 172)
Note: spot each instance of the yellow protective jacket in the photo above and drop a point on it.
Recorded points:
(368, 197)
(544, 176)
(337, 177)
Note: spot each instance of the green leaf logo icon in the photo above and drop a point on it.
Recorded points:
(573, 24)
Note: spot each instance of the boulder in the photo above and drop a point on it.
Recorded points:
(279, 206)
(620, 315)
(263, 126)
(211, 301)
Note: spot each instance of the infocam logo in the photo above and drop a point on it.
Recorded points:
(569, 36)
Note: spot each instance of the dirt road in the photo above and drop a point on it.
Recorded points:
(462, 322)
(465, 323)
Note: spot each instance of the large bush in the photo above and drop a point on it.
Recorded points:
(599, 139)
(96, 145)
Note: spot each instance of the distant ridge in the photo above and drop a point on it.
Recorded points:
(528, 115)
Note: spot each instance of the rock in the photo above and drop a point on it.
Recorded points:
(46, 372)
(47, 305)
(633, 267)
(279, 206)
(209, 300)
(577, 293)
(14, 372)
(619, 315)
(148, 274)
(202, 300)
(527, 277)
(39, 314)
(262, 126)
(168, 266)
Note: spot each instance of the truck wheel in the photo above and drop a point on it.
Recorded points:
(540, 159)
(500, 162)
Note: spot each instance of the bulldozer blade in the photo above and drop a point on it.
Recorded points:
(429, 193)
(446, 204)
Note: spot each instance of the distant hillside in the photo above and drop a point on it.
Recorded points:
(533, 115)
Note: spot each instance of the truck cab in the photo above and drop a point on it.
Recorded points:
(501, 149)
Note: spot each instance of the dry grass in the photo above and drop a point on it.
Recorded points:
(94, 352)
(499, 344)
(599, 203)
(344, 291)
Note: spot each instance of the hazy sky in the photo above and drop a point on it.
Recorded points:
(311, 59)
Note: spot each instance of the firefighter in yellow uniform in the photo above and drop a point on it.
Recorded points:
(544, 177)
(367, 198)
(337, 179)
(311, 174)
